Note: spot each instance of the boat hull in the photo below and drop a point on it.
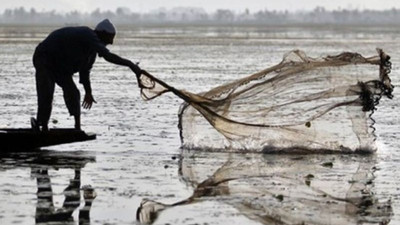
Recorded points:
(13, 140)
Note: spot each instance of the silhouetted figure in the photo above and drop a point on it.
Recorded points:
(67, 51)
(45, 210)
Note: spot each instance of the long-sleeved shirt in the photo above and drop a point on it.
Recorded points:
(72, 49)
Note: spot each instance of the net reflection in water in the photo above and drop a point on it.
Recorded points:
(281, 189)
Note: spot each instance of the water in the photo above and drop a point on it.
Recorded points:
(136, 155)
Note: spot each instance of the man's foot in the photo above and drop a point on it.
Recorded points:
(77, 127)
(35, 125)
(45, 128)
(77, 122)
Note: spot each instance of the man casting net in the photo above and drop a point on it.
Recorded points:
(302, 104)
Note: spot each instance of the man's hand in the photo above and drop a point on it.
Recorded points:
(88, 101)
(136, 69)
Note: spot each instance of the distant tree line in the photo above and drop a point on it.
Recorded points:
(190, 15)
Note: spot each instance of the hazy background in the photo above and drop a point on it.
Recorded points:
(236, 5)
(196, 11)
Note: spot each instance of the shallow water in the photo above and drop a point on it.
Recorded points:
(136, 155)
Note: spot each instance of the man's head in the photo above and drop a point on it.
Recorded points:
(105, 30)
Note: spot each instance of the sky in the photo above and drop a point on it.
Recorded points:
(209, 5)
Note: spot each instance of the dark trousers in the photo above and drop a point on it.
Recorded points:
(46, 78)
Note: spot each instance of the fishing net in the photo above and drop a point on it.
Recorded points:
(301, 104)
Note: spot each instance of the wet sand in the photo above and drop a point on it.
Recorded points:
(136, 155)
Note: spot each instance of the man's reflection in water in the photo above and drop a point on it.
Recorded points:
(45, 210)
(282, 189)
(40, 163)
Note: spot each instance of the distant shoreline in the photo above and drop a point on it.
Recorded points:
(203, 24)
(198, 16)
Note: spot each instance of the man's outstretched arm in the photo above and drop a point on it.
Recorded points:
(113, 58)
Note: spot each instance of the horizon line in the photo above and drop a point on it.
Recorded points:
(162, 8)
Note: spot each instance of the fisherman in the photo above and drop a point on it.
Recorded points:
(64, 52)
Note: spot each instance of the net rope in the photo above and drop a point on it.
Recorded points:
(301, 104)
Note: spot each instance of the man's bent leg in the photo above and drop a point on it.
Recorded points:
(72, 99)
(45, 91)
(78, 122)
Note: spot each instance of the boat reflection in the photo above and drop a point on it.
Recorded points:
(40, 163)
(282, 189)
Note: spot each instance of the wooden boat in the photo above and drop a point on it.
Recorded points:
(13, 140)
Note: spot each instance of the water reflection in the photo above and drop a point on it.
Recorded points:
(282, 189)
(40, 163)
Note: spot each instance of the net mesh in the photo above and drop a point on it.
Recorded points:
(301, 104)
